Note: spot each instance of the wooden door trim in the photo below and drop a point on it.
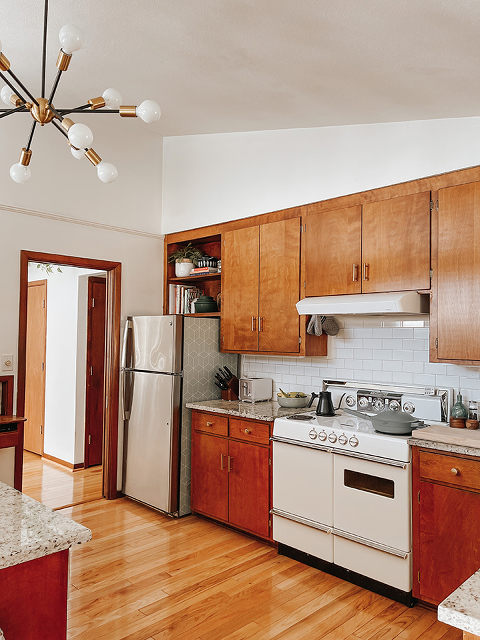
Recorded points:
(112, 355)
(6, 385)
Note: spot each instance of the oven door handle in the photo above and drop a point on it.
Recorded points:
(370, 543)
(297, 443)
(306, 521)
(366, 456)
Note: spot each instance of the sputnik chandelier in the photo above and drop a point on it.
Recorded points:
(43, 111)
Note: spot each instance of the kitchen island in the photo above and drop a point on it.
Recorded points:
(34, 559)
(462, 608)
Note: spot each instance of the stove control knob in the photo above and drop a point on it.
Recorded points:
(342, 439)
(409, 407)
(363, 402)
(312, 434)
(322, 436)
(332, 437)
(353, 441)
(394, 405)
(378, 404)
(350, 401)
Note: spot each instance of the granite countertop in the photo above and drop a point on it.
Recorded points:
(267, 411)
(29, 529)
(444, 438)
(462, 607)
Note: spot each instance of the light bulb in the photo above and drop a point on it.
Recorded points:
(80, 136)
(71, 38)
(148, 111)
(77, 153)
(19, 173)
(112, 98)
(5, 94)
(106, 171)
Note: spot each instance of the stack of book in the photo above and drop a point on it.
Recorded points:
(181, 298)
(201, 271)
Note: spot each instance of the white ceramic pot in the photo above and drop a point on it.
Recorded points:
(182, 269)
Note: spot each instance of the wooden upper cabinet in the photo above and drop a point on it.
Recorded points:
(279, 286)
(396, 244)
(377, 247)
(260, 287)
(240, 269)
(333, 252)
(455, 312)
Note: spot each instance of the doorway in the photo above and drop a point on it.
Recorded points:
(110, 395)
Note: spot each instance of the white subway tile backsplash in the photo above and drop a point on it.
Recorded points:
(369, 349)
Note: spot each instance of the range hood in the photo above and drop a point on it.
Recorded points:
(400, 303)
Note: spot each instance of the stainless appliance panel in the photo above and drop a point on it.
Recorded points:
(154, 343)
(152, 434)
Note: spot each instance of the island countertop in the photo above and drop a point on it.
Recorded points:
(267, 411)
(29, 529)
(461, 609)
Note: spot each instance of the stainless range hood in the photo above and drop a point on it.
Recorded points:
(377, 304)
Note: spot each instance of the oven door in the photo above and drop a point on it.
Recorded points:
(373, 501)
(303, 499)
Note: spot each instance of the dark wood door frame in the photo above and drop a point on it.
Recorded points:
(112, 351)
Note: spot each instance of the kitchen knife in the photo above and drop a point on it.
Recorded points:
(223, 375)
(228, 372)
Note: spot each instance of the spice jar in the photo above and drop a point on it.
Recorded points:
(473, 410)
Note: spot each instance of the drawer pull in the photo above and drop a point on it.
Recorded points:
(209, 424)
(221, 462)
(229, 463)
(455, 471)
(247, 431)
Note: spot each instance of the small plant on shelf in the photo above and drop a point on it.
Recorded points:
(185, 258)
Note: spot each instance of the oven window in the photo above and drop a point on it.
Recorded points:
(370, 484)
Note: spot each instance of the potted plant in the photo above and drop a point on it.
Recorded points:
(185, 258)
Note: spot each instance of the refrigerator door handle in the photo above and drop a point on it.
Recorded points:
(128, 386)
(127, 344)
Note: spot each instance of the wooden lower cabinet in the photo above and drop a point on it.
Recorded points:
(446, 516)
(231, 473)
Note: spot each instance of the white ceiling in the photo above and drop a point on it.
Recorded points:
(219, 66)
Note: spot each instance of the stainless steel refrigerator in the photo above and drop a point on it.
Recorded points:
(167, 362)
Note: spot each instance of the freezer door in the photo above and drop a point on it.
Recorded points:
(151, 462)
(154, 343)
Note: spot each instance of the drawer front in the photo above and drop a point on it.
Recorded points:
(460, 472)
(257, 432)
(210, 423)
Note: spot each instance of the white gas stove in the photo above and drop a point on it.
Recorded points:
(342, 491)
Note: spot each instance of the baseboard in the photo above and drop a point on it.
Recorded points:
(73, 467)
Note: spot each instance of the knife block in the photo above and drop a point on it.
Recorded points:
(232, 392)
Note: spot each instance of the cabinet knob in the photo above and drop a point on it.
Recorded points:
(247, 431)
(455, 471)
(209, 424)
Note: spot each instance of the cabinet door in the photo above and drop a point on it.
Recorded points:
(249, 487)
(279, 322)
(210, 475)
(333, 252)
(396, 244)
(448, 546)
(458, 273)
(240, 290)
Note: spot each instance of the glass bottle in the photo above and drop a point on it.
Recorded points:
(473, 410)
(459, 410)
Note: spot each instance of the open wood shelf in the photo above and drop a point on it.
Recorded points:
(206, 276)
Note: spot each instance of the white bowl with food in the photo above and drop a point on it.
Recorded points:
(292, 400)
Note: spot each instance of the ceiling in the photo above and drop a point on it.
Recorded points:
(220, 66)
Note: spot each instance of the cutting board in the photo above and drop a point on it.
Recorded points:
(448, 435)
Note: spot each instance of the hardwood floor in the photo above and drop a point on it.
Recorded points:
(148, 577)
(56, 486)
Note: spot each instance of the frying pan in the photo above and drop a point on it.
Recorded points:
(392, 422)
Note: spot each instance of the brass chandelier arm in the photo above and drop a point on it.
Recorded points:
(30, 137)
(44, 48)
(23, 87)
(12, 87)
(86, 109)
(54, 86)
(59, 127)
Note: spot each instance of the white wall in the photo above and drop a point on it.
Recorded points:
(64, 186)
(141, 258)
(216, 178)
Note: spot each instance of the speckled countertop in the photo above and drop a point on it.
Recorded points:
(444, 438)
(257, 410)
(462, 608)
(29, 529)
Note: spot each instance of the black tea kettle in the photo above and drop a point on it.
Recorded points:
(324, 404)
